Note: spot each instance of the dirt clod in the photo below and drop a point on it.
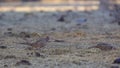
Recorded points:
(3, 47)
(61, 19)
(9, 57)
(59, 41)
(23, 62)
(116, 61)
(9, 29)
(5, 65)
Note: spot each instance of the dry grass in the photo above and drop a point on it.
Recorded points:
(63, 35)
(56, 51)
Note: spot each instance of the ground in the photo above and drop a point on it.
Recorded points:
(70, 39)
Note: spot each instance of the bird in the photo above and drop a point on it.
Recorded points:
(104, 46)
(39, 43)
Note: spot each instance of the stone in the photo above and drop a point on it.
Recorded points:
(9, 33)
(114, 66)
(10, 57)
(59, 41)
(5, 65)
(3, 47)
(9, 29)
(61, 19)
(118, 23)
(116, 61)
(23, 62)
(37, 54)
(53, 29)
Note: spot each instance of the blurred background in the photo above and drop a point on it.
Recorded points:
(53, 5)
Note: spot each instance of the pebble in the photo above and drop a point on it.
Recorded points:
(30, 54)
(9, 33)
(53, 29)
(2, 15)
(39, 55)
(118, 23)
(5, 66)
(9, 57)
(114, 66)
(116, 61)
(59, 41)
(61, 19)
(3, 47)
(9, 29)
(23, 62)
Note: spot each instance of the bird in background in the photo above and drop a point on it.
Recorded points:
(39, 43)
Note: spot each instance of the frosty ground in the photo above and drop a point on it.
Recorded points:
(74, 36)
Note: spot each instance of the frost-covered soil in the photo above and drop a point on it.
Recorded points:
(70, 44)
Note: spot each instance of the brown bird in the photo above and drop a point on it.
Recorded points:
(39, 43)
(104, 47)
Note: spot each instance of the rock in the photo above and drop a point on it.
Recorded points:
(59, 41)
(10, 57)
(9, 33)
(3, 47)
(118, 23)
(39, 55)
(61, 19)
(76, 62)
(28, 48)
(2, 15)
(68, 11)
(114, 66)
(116, 61)
(23, 62)
(53, 29)
(30, 54)
(5, 66)
(104, 46)
(9, 29)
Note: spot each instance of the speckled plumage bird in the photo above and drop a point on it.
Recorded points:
(104, 46)
(39, 43)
